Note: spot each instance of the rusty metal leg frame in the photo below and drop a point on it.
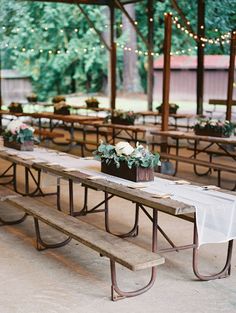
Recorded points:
(37, 191)
(116, 292)
(133, 232)
(41, 244)
(221, 274)
(14, 222)
(5, 175)
(85, 210)
(174, 247)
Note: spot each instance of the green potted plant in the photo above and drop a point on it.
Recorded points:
(122, 160)
(92, 103)
(122, 117)
(32, 97)
(19, 136)
(15, 107)
(173, 108)
(60, 106)
(212, 127)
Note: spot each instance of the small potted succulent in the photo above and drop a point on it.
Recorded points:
(32, 97)
(122, 117)
(92, 103)
(173, 107)
(19, 136)
(15, 107)
(212, 127)
(60, 106)
(124, 161)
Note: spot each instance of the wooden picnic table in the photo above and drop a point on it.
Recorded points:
(132, 132)
(225, 145)
(68, 119)
(176, 117)
(142, 199)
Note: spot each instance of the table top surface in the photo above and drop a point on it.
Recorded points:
(50, 115)
(130, 191)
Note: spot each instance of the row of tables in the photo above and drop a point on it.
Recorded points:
(41, 161)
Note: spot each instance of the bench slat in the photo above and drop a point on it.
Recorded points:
(216, 166)
(115, 248)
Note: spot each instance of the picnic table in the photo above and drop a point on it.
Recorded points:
(225, 148)
(182, 201)
(176, 117)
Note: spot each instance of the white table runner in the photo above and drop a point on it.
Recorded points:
(215, 211)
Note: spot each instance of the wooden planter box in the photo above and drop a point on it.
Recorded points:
(92, 105)
(62, 111)
(171, 110)
(121, 121)
(210, 133)
(32, 99)
(26, 146)
(136, 174)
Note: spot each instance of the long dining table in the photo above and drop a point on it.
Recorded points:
(177, 198)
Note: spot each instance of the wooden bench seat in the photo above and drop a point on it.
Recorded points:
(218, 152)
(118, 250)
(47, 134)
(219, 167)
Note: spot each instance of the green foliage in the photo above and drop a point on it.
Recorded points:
(137, 157)
(218, 127)
(53, 43)
(20, 136)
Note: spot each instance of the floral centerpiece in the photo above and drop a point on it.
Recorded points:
(173, 107)
(212, 127)
(92, 103)
(15, 107)
(122, 160)
(32, 97)
(60, 106)
(19, 136)
(122, 117)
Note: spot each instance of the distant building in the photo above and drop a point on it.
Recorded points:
(14, 86)
(183, 77)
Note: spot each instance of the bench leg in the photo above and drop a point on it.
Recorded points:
(20, 220)
(133, 232)
(221, 274)
(116, 292)
(41, 244)
(5, 175)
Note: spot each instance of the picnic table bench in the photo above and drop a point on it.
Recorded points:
(118, 250)
(141, 198)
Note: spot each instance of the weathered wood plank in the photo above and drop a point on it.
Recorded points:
(115, 248)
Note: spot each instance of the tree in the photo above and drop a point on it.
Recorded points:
(131, 80)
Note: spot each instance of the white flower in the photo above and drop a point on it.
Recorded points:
(14, 126)
(124, 148)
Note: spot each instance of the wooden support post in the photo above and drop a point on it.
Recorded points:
(0, 94)
(166, 78)
(166, 72)
(112, 59)
(200, 56)
(150, 78)
(231, 76)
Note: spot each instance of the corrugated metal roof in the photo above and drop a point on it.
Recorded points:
(12, 74)
(190, 62)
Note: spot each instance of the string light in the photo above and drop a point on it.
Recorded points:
(195, 36)
(126, 49)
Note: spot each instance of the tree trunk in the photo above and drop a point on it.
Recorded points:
(131, 79)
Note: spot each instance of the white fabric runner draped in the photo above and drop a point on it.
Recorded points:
(215, 211)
